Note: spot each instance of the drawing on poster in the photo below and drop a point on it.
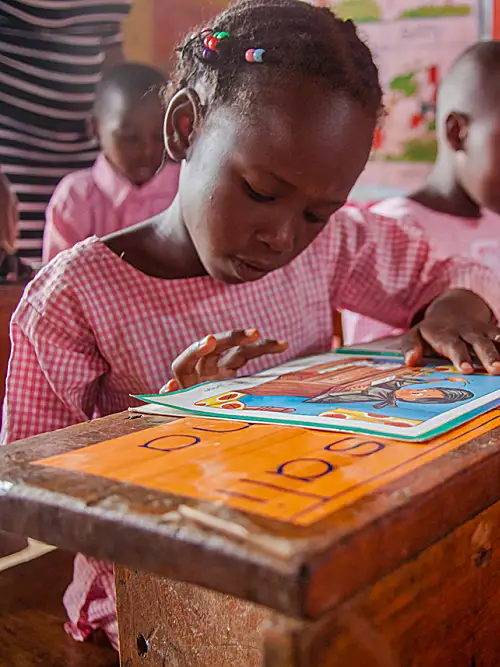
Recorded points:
(366, 11)
(408, 132)
(413, 43)
(363, 394)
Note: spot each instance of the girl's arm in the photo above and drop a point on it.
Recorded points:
(384, 269)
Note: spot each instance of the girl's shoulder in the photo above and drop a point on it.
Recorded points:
(72, 276)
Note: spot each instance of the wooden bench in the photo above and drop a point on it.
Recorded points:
(406, 575)
(32, 618)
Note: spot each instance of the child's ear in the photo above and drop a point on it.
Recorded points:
(457, 130)
(183, 117)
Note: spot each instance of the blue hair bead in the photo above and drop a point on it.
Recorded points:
(258, 55)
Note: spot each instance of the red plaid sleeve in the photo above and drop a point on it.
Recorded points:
(385, 269)
(53, 370)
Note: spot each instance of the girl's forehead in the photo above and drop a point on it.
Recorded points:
(310, 139)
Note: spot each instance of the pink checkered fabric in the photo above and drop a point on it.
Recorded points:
(91, 329)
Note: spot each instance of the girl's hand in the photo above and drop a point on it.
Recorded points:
(219, 357)
(453, 324)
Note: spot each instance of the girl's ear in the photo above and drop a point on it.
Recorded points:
(183, 118)
(457, 130)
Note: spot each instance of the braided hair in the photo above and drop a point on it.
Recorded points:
(295, 37)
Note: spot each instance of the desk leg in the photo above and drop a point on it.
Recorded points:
(440, 609)
(166, 623)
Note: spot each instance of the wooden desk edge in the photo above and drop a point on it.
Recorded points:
(460, 484)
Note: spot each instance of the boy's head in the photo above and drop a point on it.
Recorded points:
(272, 109)
(468, 121)
(128, 120)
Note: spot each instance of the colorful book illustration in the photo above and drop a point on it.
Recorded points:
(365, 394)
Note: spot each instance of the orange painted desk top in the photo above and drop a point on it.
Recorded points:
(295, 521)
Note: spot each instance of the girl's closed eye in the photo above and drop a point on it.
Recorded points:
(324, 216)
(255, 194)
(313, 218)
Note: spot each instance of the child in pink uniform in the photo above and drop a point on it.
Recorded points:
(272, 114)
(130, 181)
(459, 207)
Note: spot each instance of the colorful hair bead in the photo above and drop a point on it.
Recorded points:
(254, 55)
(258, 55)
(211, 42)
(221, 35)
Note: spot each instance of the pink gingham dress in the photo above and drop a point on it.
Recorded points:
(91, 329)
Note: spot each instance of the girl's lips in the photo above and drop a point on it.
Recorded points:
(248, 271)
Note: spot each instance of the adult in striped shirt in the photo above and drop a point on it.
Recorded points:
(51, 57)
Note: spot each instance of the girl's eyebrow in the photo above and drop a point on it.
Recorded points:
(288, 184)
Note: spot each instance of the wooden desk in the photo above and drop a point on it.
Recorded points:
(407, 576)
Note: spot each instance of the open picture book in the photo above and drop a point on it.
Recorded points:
(350, 390)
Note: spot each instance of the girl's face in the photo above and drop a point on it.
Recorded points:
(260, 182)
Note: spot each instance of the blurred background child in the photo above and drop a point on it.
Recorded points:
(131, 179)
(459, 206)
(12, 268)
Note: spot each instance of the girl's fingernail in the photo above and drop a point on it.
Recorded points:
(251, 332)
(497, 338)
(468, 368)
(283, 342)
(496, 364)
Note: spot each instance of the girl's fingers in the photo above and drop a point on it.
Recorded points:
(493, 332)
(172, 385)
(184, 367)
(485, 349)
(450, 345)
(201, 358)
(412, 347)
(237, 358)
(208, 366)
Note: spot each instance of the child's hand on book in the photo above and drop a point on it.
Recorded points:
(455, 323)
(219, 357)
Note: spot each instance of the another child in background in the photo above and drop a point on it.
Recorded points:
(12, 268)
(459, 206)
(131, 180)
(272, 113)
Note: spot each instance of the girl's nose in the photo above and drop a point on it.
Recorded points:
(280, 236)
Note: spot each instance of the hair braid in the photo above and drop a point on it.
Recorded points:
(297, 38)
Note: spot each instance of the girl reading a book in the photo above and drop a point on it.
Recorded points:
(271, 112)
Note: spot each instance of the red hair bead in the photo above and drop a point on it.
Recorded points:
(250, 56)
(211, 42)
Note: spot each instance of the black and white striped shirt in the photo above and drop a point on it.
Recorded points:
(51, 55)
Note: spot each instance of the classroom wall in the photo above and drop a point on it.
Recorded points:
(155, 27)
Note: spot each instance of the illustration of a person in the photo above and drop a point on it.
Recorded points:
(387, 394)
